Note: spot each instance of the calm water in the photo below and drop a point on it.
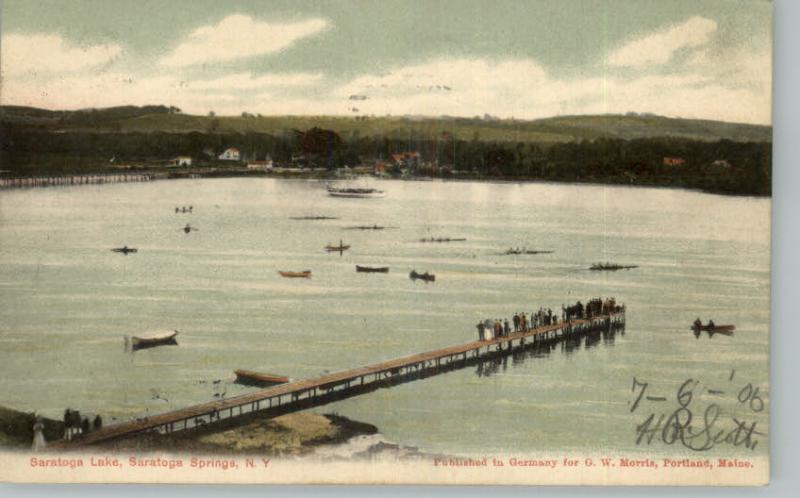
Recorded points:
(67, 301)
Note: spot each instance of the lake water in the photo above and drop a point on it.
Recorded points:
(67, 301)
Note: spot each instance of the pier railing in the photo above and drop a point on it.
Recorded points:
(51, 181)
(306, 393)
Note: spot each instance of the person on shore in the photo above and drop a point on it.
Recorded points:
(481, 331)
(39, 443)
(85, 427)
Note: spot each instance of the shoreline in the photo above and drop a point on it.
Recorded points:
(139, 176)
(288, 435)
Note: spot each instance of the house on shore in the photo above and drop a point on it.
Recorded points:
(267, 164)
(181, 161)
(230, 154)
(674, 161)
(406, 160)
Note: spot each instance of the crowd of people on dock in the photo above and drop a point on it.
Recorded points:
(491, 329)
(75, 424)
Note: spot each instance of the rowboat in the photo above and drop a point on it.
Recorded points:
(355, 193)
(369, 269)
(340, 248)
(152, 339)
(125, 249)
(366, 227)
(611, 267)
(525, 251)
(715, 328)
(427, 277)
(312, 218)
(296, 274)
(258, 378)
(442, 239)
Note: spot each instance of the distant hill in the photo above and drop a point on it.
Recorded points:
(549, 130)
(82, 117)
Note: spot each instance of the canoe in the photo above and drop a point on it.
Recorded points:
(427, 277)
(154, 339)
(369, 269)
(296, 274)
(258, 378)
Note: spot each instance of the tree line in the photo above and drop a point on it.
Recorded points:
(722, 166)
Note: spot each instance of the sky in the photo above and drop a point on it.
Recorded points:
(524, 59)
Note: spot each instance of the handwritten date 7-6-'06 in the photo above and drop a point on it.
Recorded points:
(698, 432)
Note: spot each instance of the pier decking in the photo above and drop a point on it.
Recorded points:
(303, 394)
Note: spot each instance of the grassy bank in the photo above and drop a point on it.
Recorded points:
(293, 434)
(16, 428)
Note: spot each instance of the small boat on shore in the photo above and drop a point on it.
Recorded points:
(296, 274)
(125, 250)
(152, 339)
(610, 267)
(427, 277)
(259, 379)
(369, 269)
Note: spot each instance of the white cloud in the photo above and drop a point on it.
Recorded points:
(523, 89)
(239, 36)
(246, 81)
(739, 90)
(37, 53)
(659, 47)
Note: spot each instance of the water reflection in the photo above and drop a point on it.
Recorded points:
(567, 346)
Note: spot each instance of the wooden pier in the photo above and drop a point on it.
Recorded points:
(307, 393)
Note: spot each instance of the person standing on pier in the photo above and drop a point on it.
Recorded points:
(516, 322)
(506, 328)
(523, 322)
(498, 328)
(481, 331)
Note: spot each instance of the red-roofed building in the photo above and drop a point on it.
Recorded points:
(674, 161)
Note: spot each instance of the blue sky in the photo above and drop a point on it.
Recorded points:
(525, 59)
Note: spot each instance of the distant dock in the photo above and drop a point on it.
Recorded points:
(52, 181)
(303, 394)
